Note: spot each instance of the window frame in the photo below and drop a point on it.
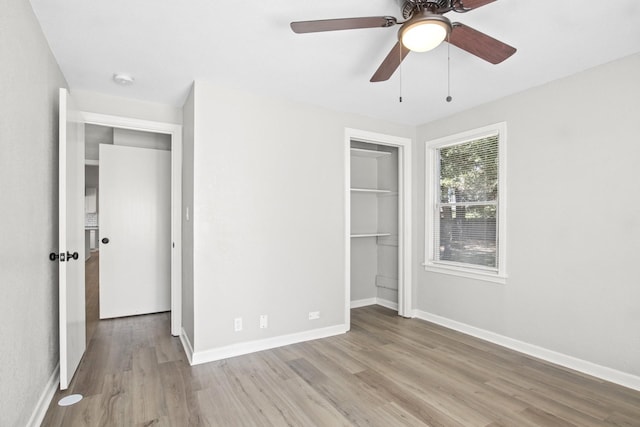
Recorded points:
(432, 180)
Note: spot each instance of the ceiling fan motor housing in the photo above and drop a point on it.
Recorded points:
(410, 7)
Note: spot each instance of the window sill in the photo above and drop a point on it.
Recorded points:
(466, 272)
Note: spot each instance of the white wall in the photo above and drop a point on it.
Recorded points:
(28, 212)
(268, 212)
(573, 220)
(124, 107)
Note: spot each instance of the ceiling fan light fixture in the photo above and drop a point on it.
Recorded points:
(424, 32)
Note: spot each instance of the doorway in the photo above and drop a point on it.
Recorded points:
(377, 221)
(93, 135)
(127, 222)
(166, 137)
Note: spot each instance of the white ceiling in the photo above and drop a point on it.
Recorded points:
(166, 44)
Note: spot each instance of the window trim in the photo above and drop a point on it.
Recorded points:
(431, 190)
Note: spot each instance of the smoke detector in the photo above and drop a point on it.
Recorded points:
(123, 79)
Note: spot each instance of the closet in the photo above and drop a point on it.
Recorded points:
(374, 186)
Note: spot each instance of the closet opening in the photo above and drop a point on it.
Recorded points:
(378, 202)
(374, 225)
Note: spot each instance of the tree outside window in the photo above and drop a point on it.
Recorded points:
(468, 202)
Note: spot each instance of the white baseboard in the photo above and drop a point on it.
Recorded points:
(374, 301)
(186, 344)
(388, 304)
(589, 368)
(363, 302)
(239, 349)
(45, 399)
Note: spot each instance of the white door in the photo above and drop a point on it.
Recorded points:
(135, 231)
(71, 239)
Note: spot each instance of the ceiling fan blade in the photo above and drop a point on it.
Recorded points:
(474, 4)
(390, 63)
(480, 44)
(343, 24)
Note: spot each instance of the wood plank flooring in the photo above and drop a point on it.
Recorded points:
(387, 371)
(92, 292)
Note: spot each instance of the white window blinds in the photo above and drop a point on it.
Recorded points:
(466, 217)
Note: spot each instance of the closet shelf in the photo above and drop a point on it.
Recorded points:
(370, 235)
(361, 152)
(369, 190)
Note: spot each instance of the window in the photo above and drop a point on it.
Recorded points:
(466, 192)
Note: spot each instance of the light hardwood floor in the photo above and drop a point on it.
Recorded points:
(388, 371)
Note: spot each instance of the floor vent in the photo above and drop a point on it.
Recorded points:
(70, 400)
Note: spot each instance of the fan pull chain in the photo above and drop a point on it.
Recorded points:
(449, 98)
(400, 71)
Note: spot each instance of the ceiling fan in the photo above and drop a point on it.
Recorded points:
(424, 28)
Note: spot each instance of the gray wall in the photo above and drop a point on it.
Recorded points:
(268, 211)
(94, 135)
(364, 219)
(91, 180)
(573, 219)
(91, 176)
(187, 224)
(387, 271)
(28, 212)
(135, 138)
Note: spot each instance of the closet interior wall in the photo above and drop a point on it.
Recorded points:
(374, 223)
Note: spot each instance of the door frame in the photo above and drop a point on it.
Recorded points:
(175, 132)
(404, 216)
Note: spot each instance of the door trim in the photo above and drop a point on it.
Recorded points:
(404, 216)
(175, 131)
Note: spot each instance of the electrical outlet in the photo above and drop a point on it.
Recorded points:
(237, 324)
(313, 315)
(263, 321)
